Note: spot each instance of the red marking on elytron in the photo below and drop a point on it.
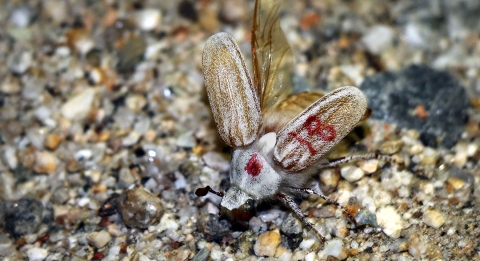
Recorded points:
(314, 125)
(254, 166)
(303, 142)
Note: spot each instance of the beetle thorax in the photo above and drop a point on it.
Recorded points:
(252, 175)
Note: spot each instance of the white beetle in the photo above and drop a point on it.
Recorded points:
(279, 139)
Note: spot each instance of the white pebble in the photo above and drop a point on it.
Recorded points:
(433, 218)
(332, 248)
(78, 106)
(186, 140)
(83, 202)
(307, 243)
(10, 157)
(21, 16)
(351, 173)
(37, 254)
(19, 63)
(390, 221)
(148, 19)
(131, 139)
(310, 256)
(378, 38)
(99, 239)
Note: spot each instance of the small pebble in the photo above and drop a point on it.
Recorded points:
(37, 254)
(202, 255)
(10, 157)
(20, 63)
(186, 140)
(148, 19)
(429, 156)
(329, 179)
(418, 245)
(456, 183)
(79, 105)
(99, 239)
(139, 208)
(131, 139)
(369, 166)
(307, 244)
(391, 147)
(267, 243)
(60, 195)
(399, 245)
(352, 173)
(52, 141)
(390, 221)
(378, 38)
(22, 16)
(45, 162)
(233, 11)
(333, 248)
(365, 217)
(433, 218)
(130, 55)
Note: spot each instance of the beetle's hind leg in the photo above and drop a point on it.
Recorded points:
(368, 156)
(288, 201)
(329, 200)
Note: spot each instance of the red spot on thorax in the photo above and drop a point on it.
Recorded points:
(314, 126)
(254, 166)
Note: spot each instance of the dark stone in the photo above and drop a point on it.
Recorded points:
(292, 229)
(3, 209)
(187, 10)
(213, 228)
(94, 57)
(394, 95)
(24, 217)
(428, 139)
(139, 208)
(109, 207)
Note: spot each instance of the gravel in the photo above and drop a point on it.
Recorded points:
(106, 132)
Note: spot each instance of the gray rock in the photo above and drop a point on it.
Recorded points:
(292, 228)
(24, 217)
(131, 54)
(213, 228)
(393, 95)
(365, 217)
(60, 195)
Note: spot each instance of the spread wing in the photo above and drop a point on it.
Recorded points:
(272, 55)
(312, 133)
(286, 110)
(233, 98)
